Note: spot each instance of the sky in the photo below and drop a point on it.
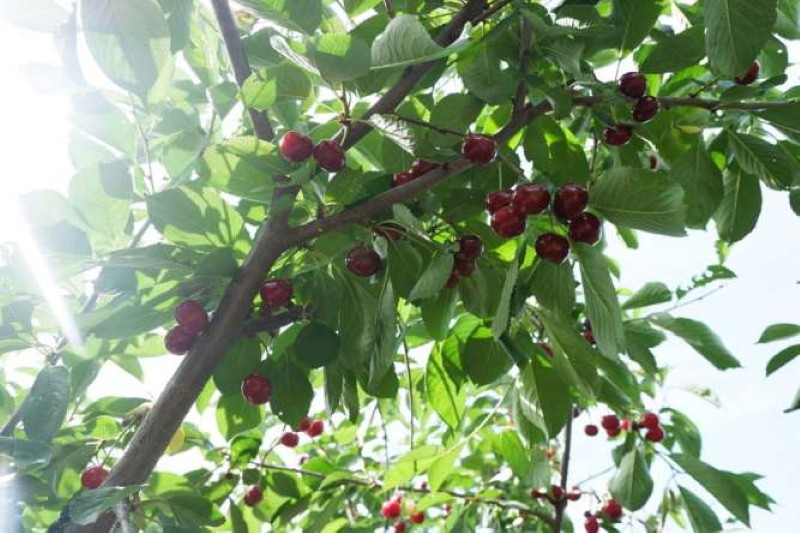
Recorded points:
(748, 432)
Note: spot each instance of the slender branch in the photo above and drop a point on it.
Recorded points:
(241, 67)
(145, 144)
(389, 8)
(561, 505)
(275, 322)
(492, 9)
(407, 358)
(428, 125)
(524, 58)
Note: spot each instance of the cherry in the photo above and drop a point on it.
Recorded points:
(179, 340)
(295, 147)
(290, 439)
(452, 281)
(401, 178)
(497, 199)
(470, 247)
(610, 422)
(506, 223)
(93, 477)
(419, 167)
(253, 495)
(655, 434)
(256, 389)
(391, 509)
(589, 337)
(750, 76)
(612, 509)
(316, 428)
(552, 247)
(613, 432)
(363, 261)
(276, 292)
(329, 155)
(547, 349)
(464, 267)
(570, 201)
(399, 526)
(478, 149)
(649, 421)
(591, 430)
(417, 518)
(618, 135)
(390, 231)
(585, 228)
(632, 84)
(304, 424)
(555, 495)
(575, 494)
(645, 109)
(653, 160)
(192, 316)
(576, 411)
(530, 199)
(591, 525)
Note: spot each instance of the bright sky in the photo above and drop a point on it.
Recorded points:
(749, 432)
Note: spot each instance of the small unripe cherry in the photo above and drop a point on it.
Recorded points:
(253, 495)
(290, 439)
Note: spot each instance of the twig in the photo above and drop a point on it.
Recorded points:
(561, 504)
(274, 322)
(524, 59)
(407, 358)
(389, 8)
(494, 8)
(424, 124)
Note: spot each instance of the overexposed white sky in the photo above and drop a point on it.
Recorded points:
(749, 432)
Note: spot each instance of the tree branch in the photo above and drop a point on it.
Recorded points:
(561, 504)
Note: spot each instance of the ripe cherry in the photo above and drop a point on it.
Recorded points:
(552, 247)
(329, 155)
(612, 510)
(192, 316)
(470, 247)
(464, 267)
(401, 178)
(253, 495)
(655, 434)
(585, 228)
(276, 292)
(570, 201)
(497, 199)
(649, 420)
(256, 389)
(750, 76)
(316, 428)
(610, 422)
(179, 340)
(591, 430)
(653, 160)
(295, 147)
(478, 149)
(304, 424)
(452, 281)
(506, 223)
(391, 509)
(591, 525)
(575, 494)
(93, 477)
(618, 135)
(417, 518)
(419, 167)
(399, 526)
(530, 199)
(632, 84)
(363, 261)
(290, 439)
(645, 109)
(555, 495)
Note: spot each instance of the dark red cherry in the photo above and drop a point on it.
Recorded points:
(329, 155)
(478, 149)
(276, 292)
(470, 247)
(530, 199)
(295, 147)
(401, 178)
(192, 316)
(585, 228)
(179, 340)
(253, 495)
(419, 167)
(497, 199)
(645, 109)
(618, 135)
(552, 247)
(256, 389)
(507, 223)
(464, 267)
(750, 76)
(632, 84)
(363, 261)
(93, 477)
(570, 201)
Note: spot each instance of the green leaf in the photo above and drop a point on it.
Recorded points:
(317, 345)
(795, 405)
(482, 75)
(632, 484)
(433, 279)
(700, 337)
(500, 322)
(235, 416)
(652, 293)
(44, 409)
(483, 358)
(443, 392)
(298, 15)
(455, 112)
(26, 452)
(241, 359)
(291, 391)
(259, 91)
(602, 305)
(129, 40)
(676, 52)
(777, 332)
(783, 358)
(438, 312)
(718, 483)
(386, 340)
(555, 151)
(769, 162)
(550, 392)
(339, 57)
(701, 516)
(553, 286)
(686, 433)
(701, 180)
(102, 193)
(741, 206)
(736, 31)
(405, 41)
(515, 454)
(579, 368)
(785, 118)
(442, 467)
(635, 19)
(87, 506)
(640, 199)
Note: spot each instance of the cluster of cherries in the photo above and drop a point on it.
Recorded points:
(613, 426)
(509, 209)
(312, 428)
(192, 319)
(393, 509)
(296, 147)
(556, 494)
(470, 248)
(611, 511)
(633, 85)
